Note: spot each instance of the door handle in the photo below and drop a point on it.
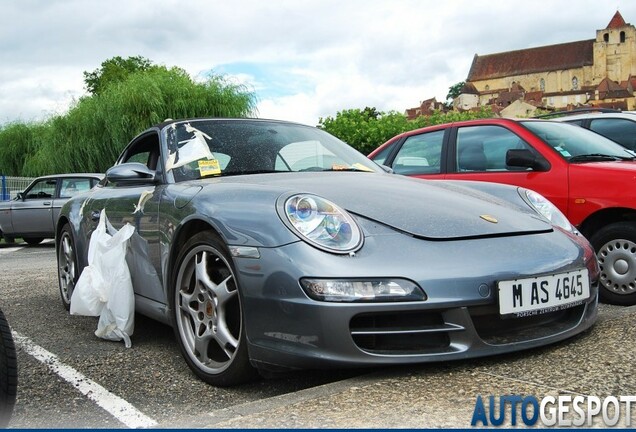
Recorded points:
(46, 203)
(95, 215)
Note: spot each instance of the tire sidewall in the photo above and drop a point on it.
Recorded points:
(8, 372)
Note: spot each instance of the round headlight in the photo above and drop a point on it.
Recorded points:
(548, 210)
(322, 223)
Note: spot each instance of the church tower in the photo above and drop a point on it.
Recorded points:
(615, 51)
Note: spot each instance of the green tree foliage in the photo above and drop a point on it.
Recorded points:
(115, 70)
(16, 143)
(455, 90)
(95, 130)
(364, 129)
(366, 132)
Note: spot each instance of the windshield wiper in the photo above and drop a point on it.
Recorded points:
(347, 169)
(236, 173)
(599, 157)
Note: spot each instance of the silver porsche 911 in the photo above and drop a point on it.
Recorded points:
(272, 245)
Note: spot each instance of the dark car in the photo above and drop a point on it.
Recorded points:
(274, 245)
(588, 177)
(33, 213)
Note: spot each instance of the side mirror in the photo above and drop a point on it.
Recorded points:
(524, 158)
(130, 172)
(20, 196)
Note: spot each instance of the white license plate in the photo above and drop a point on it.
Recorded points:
(542, 294)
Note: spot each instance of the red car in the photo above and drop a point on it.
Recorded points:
(591, 179)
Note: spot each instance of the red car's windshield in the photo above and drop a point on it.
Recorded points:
(576, 144)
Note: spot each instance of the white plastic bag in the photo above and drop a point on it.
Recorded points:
(104, 288)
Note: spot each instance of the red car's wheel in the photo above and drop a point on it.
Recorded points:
(615, 247)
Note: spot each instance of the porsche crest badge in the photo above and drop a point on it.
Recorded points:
(489, 218)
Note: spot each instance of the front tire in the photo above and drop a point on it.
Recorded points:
(8, 372)
(66, 265)
(207, 313)
(615, 247)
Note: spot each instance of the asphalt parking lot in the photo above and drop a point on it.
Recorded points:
(70, 378)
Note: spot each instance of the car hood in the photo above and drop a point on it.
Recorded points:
(606, 166)
(422, 208)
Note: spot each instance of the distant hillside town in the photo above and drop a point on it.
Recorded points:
(597, 72)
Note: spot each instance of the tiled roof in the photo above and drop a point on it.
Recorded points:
(469, 88)
(617, 21)
(610, 89)
(541, 59)
(534, 97)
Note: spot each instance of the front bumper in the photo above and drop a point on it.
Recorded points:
(460, 318)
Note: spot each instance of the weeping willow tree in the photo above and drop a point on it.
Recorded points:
(95, 130)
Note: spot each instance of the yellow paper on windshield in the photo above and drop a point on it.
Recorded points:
(361, 167)
(209, 167)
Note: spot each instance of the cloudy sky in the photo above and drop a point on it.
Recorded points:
(304, 59)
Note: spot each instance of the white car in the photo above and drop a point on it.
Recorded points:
(619, 126)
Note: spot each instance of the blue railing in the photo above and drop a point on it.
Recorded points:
(4, 190)
(10, 186)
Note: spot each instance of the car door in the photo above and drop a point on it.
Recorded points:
(32, 214)
(478, 152)
(137, 203)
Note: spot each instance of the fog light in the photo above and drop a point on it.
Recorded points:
(358, 290)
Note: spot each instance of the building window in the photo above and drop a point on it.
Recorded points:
(606, 37)
(622, 36)
(542, 84)
(575, 83)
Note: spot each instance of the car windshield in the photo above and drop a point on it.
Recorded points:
(203, 148)
(577, 144)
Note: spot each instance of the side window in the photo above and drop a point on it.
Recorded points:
(43, 189)
(484, 148)
(73, 186)
(383, 154)
(621, 131)
(420, 154)
(145, 151)
(142, 157)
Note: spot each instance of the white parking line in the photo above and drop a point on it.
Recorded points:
(114, 405)
(11, 249)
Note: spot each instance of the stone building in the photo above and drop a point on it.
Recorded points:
(426, 107)
(596, 72)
